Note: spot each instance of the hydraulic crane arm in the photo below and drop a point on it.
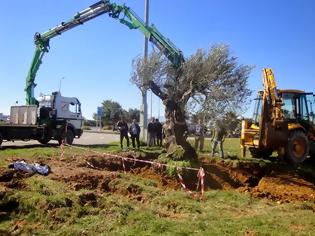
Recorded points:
(124, 14)
(42, 41)
(129, 18)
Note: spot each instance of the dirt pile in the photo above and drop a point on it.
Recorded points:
(262, 181)
(284, 188)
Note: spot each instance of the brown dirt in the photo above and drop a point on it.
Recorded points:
(284, 188)
(271, 182)
(101, 175)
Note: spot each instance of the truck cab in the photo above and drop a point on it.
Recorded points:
(54, 110)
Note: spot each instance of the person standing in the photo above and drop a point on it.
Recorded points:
(218, 138)
(159, 132)
(151, 133)
(199, 135)
(134, 131)
(123, 130)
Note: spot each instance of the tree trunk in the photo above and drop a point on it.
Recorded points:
(175, 128)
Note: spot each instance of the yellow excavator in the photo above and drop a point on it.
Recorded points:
(283, 121)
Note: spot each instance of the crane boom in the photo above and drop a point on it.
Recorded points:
(133, 21)
(125, 16)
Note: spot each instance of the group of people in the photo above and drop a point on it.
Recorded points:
(217, 137)
(155, 133)
(134, 131)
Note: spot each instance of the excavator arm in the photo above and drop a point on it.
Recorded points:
(272, 97)
(121, 12)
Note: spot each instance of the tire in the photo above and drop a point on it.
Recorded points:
(257, 153)
(69, 137)
(297, 148)
(44, 140)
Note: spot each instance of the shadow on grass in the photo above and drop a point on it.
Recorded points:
(106, 146)
(27, 146)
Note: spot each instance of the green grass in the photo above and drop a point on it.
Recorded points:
(44, 210)
(42, 204)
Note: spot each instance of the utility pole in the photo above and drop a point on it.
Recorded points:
(60, 83)
(144, 105)
(151, 115)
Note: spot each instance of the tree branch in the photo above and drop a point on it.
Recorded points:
(157, 91)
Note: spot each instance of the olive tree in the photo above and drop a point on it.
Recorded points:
(209, 80)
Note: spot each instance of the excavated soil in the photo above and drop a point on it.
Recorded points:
(102, 174)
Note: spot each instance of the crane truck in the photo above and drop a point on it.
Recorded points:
(48, 124)
(54, 117)
(283, 121)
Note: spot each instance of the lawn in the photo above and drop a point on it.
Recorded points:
(138, 205)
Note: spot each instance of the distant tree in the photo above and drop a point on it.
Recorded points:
(133, 114)
(232, 121)
(206, 77)
(112, 112)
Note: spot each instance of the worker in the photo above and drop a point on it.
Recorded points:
(159, 132)
(200, 130)
(134, 131)
(123, 130)
(151, 133)
(218, 137)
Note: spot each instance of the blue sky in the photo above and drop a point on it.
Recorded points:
(95, 59)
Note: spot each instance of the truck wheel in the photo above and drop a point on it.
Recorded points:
(69, 137)
(257, 153)
(44, 140)
(297, 148)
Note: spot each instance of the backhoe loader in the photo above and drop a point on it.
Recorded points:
(283, 121)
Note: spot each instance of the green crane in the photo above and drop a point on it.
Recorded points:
(122, 13)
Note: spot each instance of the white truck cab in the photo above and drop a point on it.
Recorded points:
(60, 109)
(63, 108)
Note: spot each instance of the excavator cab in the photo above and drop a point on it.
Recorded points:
(311, 104)
(257, 109)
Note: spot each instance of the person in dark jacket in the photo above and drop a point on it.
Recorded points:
(123, 130)
(159, 132)
(151, 133)
(134, 131)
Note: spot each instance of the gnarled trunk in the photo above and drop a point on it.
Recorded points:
(175, 128)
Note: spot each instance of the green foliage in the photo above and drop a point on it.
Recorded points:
(175, 153)
(113, 112)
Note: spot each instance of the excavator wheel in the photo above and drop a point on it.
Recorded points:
(297, 148)
(257, 153)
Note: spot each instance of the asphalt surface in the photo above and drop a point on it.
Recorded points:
(88, 138)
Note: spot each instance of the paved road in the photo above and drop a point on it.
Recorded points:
(88, 138)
